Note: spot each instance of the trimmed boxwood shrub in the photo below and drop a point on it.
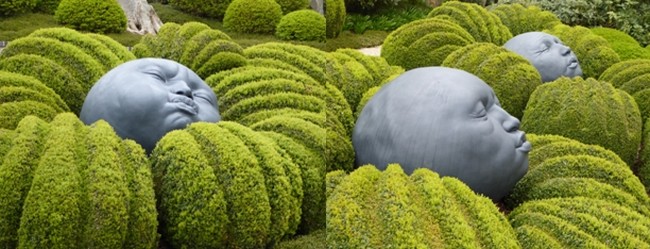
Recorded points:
(14, 7)
(520, 19)
(252, 16)
(17, 94)
(208, 8)
(47, 6)
(117, 48)
(214, 48)
(335, 17)
(593, 52)
(220, 62)
(511, 76)
(99, 16)
(425, 42)
(579, 222)
(293, 57)
(352, 77)
(590, 111)
(369, 208)
(564, 148)
(632, 76)
(190, 29)
(301, 25)
(481, 24)
(289, 6)
(6, 142)
(307, 133)
(625, 45)
(195, 44)
(167, 44)
(316, 239)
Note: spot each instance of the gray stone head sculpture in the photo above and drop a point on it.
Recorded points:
(447, 120)
(146, 98)
(551, 58)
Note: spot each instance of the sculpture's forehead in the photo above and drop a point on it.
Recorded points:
(166, 66)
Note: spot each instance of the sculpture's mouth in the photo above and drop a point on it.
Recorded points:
(522, 144)
(573, 63)
(186, 104)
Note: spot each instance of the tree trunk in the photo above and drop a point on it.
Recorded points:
(317, 5)
(142, 18)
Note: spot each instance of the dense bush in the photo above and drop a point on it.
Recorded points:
(99, 16)
(632, 76)
(14, 7)
(302, 25)
(425, 42)
(289, 6)
(520, 19)
(335, 17)
(47, 6)
(579, 222)
(511, 76)
(208, 8)
(590, 111)
(167, 44)
(117, 48)
(550, 146)
(625, 46)
(481, 24)
(386, 19)
(369, 208)
(74, 185)
(252, 16)
(315, 240)
(220, 62)
(643, 170)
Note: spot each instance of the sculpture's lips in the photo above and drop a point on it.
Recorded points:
(573, 63)
(186, 104)
(522, 144)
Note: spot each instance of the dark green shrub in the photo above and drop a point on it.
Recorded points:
(97, 16)
(166, 44)
(579, 222)
(252, 16)
(335, 17)
(47, 6)
(301, 25)
(590, 111)
(593, 52)
(117, 48)
(481, 24)
(425, 42)
(14, 7)
(520, 19)
(370, 208)
(220, 62)
(625, 46)
(315, 240)
(631, 76)
(289, 6)
(208, 8)
(511, 76)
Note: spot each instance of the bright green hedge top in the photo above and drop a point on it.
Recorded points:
(300, 57)
(590, 111)
(594, 52)
(117, 48)
(98, 16)
(520, 19)
(625, 45)
(481, 24)
(546, 151)
(511, 76)
(631, 76)
(351, 76)
(302, 25)
(335, 17)
(371, 209)
(17, 80)
(425, 42)
(579, 223)
(196, 44)
(167, 44)
(252, 16)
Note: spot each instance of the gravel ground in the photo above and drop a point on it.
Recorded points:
(374, 51)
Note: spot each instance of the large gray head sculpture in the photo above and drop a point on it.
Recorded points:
(447, 120)
(551, 58)
(146, 98)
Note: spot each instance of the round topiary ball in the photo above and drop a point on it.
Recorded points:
(13, 7)
(302, 25)
(252, 16)
(209, 8)
(99, 16)
(625, 45)
(289, 6)
(335, 15)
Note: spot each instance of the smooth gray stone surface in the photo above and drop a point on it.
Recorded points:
(146, 98)
(447, 120)
(547, 53)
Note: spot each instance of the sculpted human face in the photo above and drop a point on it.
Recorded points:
(551, 58)
(146, 98)
(446, 120)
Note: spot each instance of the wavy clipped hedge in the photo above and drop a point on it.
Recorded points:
(301, 25)
(511, 76)
(550, 146)
(579, 223)
(252, 16)
(335, 14)
(308, 60)
(632, 76)
(208, 8)
(594, 52)
(480, 23)
(520, 19)
(425, 42)
(590, 111)
(69, 185)
(167, 44)
(117, 48)
(99, 16)
(243, 191)
(371, 209)
(625, 45)
(643, 170)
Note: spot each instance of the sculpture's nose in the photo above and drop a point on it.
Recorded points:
(509, 123)
(181, 88)
(564, 50)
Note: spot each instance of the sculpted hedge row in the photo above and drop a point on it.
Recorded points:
(481, 24)
(632, 77)
(520, 19)
(625, 45)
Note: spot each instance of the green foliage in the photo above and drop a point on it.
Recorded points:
(365, 98)
(220, 62)
(199, 42)
(47, 6)
(252, 16)
(590, 111)
(118, 49)
(579, 222)
(644, 157)
(625, 46)
(315, 240)
(208, 8)
(631, 76)
(425, 42)
(369, 208)
(544, 151)
(301, 25)
(14, 7)
(297, 56)
(511, 76)
(386, 20)
(520, 19)
(166, 44)
(481, 24)
(97, 16)
(335, 17)
(289, 6)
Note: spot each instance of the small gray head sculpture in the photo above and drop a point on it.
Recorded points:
(447, 120)
(551, 58)
(146, 98)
